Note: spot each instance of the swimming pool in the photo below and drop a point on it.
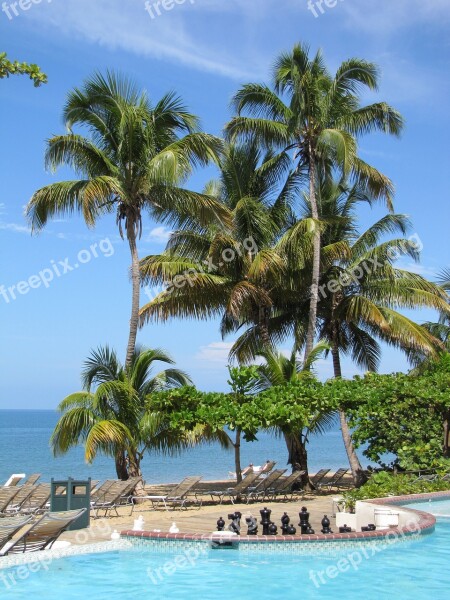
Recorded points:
(414, 569)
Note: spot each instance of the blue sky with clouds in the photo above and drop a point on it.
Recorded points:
(203, 49)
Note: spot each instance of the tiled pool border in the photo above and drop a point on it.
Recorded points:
(301, 543)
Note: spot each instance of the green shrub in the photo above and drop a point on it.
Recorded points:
(384, 484)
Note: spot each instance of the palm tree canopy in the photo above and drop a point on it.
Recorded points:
(114, 412)
(259, 213)
(309, 111)
(135, 156)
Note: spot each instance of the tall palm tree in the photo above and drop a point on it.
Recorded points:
(360, 293)
(113, 414)
(439, 329)
(133, 159)
(364, 305)
(317, 117)
(258, 214)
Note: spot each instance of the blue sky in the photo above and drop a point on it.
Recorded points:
(203, 49)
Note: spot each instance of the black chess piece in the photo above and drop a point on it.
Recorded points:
(265, 520)
(326, 525)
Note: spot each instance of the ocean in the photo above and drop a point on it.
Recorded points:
(24, 448)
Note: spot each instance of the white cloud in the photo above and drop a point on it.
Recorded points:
(2, 208)
(160, 235)
(15, 228)
(214, 355)
(182, 35)
(385, 18)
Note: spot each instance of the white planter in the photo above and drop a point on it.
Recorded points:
(349, 519)
(386, 519)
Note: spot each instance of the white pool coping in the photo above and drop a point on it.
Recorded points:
(45, 557)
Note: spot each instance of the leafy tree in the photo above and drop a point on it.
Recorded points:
(114, 414)
(134, 159)
(403, 415)
(317, 117)
(280, 370)
(296, 406)
(243, 383)
(8, 68)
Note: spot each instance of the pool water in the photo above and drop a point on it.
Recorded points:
(439, 509)
(413, 570)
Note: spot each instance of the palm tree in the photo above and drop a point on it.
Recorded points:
(364, 305)
(360, 293)
(279, 370)
(258, 213)
(113, 414)
(319, 124)
(441, 329)
(134, 158)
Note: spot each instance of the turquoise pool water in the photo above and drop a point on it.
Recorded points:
(439, 509)
(412, 570)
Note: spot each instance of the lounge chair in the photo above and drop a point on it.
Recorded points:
(267, 468)
(319, 476)
(99, 492)
(178, 497)
(127, 496)
(44, 532)
(334, 481)
(32, 479)
(6, 496)
(238, 490)
(259, 492)
(428, 477)
(37, 500)
(23, 493)
(9, 527)
(14, 479)
(109, 499)
(113, 496)
(261, 469)
(285, 487)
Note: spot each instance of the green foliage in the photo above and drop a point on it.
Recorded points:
(386, 484)
(243, 380)
(291, 407)
(8, 68)
(400, 414)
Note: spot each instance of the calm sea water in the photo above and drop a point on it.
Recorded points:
(24, 448)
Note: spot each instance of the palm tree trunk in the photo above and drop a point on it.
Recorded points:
(121, 466)
(447, 435)
(359, 477)
(136, 285)
(298, 457)
(314, 293)
(134, 470)
(264, 315)
(237, 455)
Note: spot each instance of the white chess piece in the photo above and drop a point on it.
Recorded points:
(138, 524)
(174, 528)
